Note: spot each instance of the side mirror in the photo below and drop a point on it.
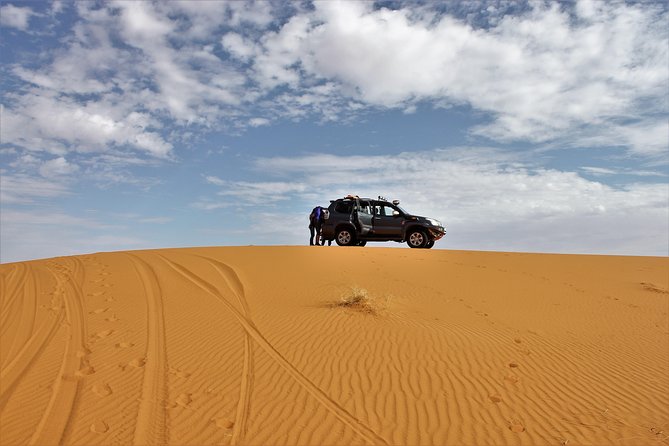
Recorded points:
(396, 213)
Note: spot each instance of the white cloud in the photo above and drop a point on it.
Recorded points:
(647, 138)
(247, 193)
(19, 188)
(541, 75)
(258, 122)
(40, 118)
(56, 167)
(598, 170)
(57, 7)
(215, 180)
(205, 17)
(15, 17)
(156, 220)
(238, 46)
(55, 218)
(561, 72)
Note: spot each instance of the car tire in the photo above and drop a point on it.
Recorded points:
(345, 237)
(429, 244)
(416, 238)
(362, 243)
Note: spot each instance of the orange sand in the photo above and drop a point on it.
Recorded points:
(259, 346)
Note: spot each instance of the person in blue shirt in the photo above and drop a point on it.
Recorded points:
(315, 222)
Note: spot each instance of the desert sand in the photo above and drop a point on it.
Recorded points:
(334, 346)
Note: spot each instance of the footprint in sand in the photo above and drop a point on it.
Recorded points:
(98, 311)
(179, 373)
(83, 353)
(124, 345)
(103, 334)
(517, 340)
(137, 362)
(224, 423)
(112, 318)
(516, 426)
(184, 400)
(84, 371)
(513, 365)
(511, 378)
(102, 390)
(110, 299)
(495, 398)
(99, 427)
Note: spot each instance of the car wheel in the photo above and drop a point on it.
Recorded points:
(416, 239)
(345, 237)
(362, 243)
(429, 244)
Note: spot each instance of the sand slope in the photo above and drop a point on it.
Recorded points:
(253, 345)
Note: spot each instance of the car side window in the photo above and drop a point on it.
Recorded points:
(343, 207)
(385, 211)
(365, 208)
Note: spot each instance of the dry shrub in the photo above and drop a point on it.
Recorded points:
(359, 299)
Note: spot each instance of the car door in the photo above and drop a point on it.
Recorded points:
(363, 217)
(385, 223)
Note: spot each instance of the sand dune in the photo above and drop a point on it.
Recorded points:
(318, 345)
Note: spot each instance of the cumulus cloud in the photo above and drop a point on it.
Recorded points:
(42, 121)
(258, 122)
(580, 74)
(540, 75)
(15, 16)
(56, 167)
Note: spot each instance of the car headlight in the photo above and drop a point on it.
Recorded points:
(434, 222)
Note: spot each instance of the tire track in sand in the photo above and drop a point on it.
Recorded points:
(58, 412)
(337, 410)
(6, 280)
(243, 407)
(151, 426)
(27, 317)
(9, 300)
(11, 374)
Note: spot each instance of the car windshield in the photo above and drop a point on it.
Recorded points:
(402, 210)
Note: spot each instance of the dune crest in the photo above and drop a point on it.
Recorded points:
(317, 345)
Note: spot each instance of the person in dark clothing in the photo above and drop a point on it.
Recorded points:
(315, 222)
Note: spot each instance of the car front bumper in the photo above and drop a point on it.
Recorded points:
(437, 232)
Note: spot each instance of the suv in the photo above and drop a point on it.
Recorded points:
(354, 221)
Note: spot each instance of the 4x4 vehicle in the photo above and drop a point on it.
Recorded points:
(354, 221)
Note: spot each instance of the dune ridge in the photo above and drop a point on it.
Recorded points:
(251, 345)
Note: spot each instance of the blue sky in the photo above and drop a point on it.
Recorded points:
(536, 127)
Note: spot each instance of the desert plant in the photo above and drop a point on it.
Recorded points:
(359, 299)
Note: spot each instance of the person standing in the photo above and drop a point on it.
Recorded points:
(315, 221)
